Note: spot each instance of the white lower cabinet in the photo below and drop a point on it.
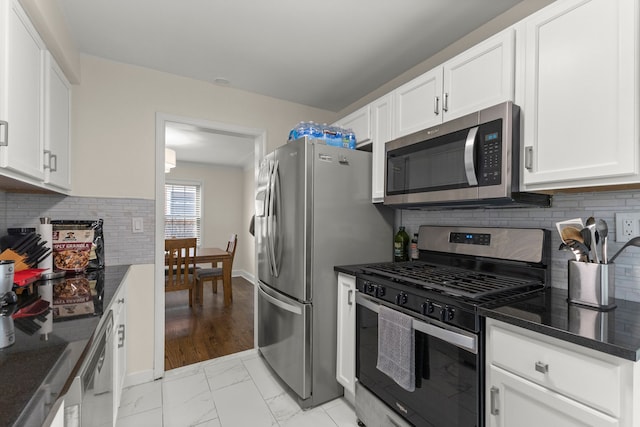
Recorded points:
(346, 345)
(119, 308)
(536, 380)
(580, 95)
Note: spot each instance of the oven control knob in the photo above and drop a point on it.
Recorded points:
(369, 288)
(446, 314)
(401, 298)
(428, 308)
(381, 291)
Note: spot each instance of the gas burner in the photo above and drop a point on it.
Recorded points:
(451, 280)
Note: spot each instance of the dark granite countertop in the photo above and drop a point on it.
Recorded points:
(350, 269)
(615, 332)
(41, 340)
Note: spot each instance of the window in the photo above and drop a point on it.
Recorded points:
(182, 210)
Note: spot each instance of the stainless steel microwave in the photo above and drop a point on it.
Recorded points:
(467, 162)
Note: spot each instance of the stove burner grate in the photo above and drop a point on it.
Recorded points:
(452, 280)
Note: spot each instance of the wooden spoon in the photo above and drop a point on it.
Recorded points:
(571, 233)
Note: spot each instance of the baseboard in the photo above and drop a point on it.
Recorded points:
(244, 274)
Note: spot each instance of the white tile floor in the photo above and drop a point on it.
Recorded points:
(231, 391)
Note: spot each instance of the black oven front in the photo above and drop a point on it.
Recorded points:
(448, 371)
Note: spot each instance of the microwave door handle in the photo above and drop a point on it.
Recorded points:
(469, 157)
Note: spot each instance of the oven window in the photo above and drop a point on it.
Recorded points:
(447, 378)
(435, 164)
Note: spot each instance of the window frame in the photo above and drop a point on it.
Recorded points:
(199, 197)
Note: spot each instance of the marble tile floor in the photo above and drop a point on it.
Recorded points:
(231, 391)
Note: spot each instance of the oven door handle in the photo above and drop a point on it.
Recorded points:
(459, 339)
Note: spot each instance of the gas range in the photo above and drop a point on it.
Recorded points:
(460, 269)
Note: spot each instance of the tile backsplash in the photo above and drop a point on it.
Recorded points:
(122, 246)
(564, 206)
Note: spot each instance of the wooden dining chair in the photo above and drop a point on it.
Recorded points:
(180, 263)
(214, 274)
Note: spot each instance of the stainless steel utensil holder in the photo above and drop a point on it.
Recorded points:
(592, 284)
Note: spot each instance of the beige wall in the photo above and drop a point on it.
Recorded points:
(227, 196)
(113, 130)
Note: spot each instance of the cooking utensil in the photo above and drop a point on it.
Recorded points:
(633, 242)
(603, 231)
(571, 233)
(579, 249)
(591, 226)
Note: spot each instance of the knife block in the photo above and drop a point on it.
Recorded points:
(592, 284)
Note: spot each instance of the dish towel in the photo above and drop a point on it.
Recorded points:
(396, 355)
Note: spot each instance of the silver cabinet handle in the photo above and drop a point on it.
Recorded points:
(445, 102)
(4, 140)
(528, 158)
(121, 335)
(436, 106)
(495, 394)
(543, 368)
(54, 160)
(350, 297)
(46, 163)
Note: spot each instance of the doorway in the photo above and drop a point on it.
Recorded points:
(246, 279)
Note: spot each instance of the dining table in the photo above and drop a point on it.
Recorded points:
(214, 256)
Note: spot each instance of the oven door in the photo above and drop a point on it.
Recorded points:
(448, 380)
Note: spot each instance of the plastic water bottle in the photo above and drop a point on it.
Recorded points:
(349, 139)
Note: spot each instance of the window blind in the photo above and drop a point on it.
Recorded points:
(182, 211)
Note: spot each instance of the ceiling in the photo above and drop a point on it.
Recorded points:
(325, 54)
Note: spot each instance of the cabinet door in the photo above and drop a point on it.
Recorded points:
(514, 401)
(346, 349)
(418, 103)
(57, 125)
(22, 93)
(360, 123)
(480, 77)
(120, 348)
(381, 132)
(581, 83)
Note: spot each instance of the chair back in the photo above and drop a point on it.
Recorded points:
(180, 262)
(231, 246)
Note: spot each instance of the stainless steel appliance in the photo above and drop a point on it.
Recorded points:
(460, 269)
(470, 161)
(313, 211)
(89, 401)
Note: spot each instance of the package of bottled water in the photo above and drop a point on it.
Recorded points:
(331, 135)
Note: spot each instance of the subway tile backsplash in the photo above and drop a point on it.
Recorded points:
(564, 206)
(122, 246)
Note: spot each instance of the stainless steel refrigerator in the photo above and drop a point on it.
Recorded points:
(313, 212)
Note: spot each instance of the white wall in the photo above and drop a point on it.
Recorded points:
(114, 107)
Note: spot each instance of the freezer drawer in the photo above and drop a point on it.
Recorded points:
(284, 338)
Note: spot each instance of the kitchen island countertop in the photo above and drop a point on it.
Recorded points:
(26, 364)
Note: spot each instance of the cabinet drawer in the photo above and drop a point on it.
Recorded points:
(592, 381)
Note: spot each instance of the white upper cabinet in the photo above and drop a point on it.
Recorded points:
(418, 103)
(360, 123)
(381, 132)
(57, 126)
(480, 77)
(580, 106)
(21, 92)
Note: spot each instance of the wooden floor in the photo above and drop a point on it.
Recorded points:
(212, 330)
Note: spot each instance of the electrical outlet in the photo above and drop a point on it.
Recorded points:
(627, 226)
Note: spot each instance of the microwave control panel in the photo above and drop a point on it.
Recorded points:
(490, 154)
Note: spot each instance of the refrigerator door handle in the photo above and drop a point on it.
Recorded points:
(277, 247)
(274, 204)
(269, 209)
(279, 303)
